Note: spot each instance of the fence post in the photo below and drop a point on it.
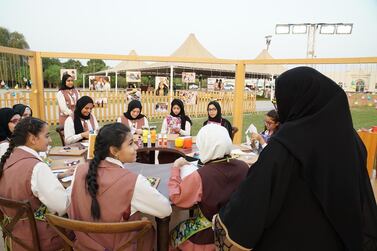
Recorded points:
(238, 101)
(37, 100)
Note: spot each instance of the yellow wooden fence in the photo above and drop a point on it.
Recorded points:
(110, 105)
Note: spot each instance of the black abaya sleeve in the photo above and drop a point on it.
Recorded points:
(259, 198)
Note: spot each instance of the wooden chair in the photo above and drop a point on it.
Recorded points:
(59, 224)
(370, 141)
(23, 209)
(146, 155)
(234, 131)
(60, 130)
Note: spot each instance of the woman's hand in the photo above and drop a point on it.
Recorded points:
(85, 135)
(180, 162)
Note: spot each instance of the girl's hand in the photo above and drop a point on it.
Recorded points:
(255, 136)
(68, 172)
(85, 135)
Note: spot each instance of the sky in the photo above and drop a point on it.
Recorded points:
(228, 29)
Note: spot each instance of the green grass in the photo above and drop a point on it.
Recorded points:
(363, 117)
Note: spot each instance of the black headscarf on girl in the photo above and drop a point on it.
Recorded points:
(217, 118)
(63, 86)
(132, 105)
(332, 161)
(81, 103)
(20, 109)
(181, 114)
(6, 115)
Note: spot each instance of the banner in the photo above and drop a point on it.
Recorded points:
(215, 84)
(188, 97)
(161, 86)
(99, 83)
(161, 107)
(188, 77)
(133, 94)
(133, 76)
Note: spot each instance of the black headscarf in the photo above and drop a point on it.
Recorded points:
(63, 85)
(181, 114)
(218, 118)
(20, 109)
(328, 165)
(6, 115)
(333, 161)
(78, 116)
(132, 105)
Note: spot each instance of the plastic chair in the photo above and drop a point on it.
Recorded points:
(146, 155)
(22, 209)
(59, 224)
(60, 130)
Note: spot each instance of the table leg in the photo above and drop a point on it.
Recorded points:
(163, 233)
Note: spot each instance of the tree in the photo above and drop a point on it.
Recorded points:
(46, 62)
(11, 69)
(73, 64)
(52, 75)
(94, 65)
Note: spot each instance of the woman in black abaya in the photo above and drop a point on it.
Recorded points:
(309, 189)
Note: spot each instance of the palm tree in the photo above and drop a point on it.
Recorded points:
(13, 68)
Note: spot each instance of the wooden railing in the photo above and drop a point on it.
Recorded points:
(115, 103)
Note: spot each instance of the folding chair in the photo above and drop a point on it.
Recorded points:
(59, 224)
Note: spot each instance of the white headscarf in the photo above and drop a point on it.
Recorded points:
(213, 142)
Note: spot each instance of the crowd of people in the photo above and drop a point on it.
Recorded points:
(308, 190)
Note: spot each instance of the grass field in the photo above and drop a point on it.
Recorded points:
(363, 117)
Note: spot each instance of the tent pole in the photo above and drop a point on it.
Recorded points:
(83, 81)
(116, 82)
(171, 82)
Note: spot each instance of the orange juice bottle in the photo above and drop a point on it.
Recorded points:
(153, 135)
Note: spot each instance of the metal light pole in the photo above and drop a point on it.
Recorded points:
(268, 41)
(311, 30)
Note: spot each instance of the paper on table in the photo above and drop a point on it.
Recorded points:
(249, 130)
(187, 170)
(86, 144)
(68, 178)
(240, 152)
(56, 171)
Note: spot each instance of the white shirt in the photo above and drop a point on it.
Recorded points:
(133, 129)
(62, 104)
(187, 132)
(3, 148)
(47, 188)
(70, 135)
(146, 199)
